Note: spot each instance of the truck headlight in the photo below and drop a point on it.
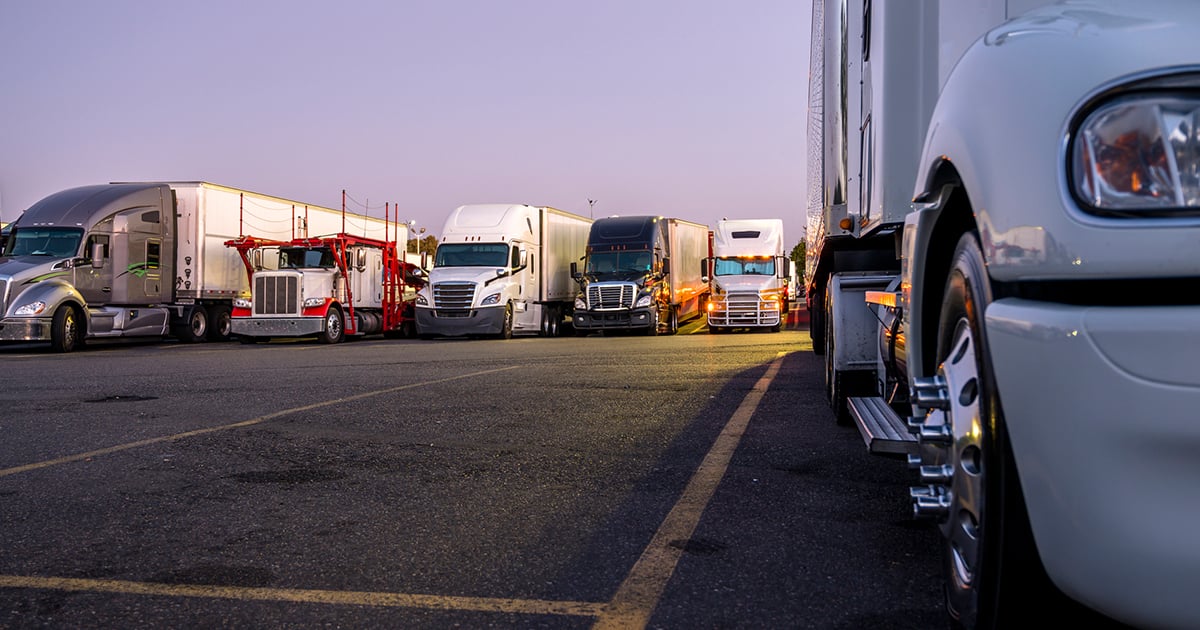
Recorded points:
(1139, 155)
(643, 301)
(241, 303)
(421, 300)
(32, 308)
(491, 299)
(314, 302)
(580, 304)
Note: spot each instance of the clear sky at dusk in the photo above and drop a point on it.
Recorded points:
(686, 108)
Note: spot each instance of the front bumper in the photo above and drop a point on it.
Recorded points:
(1102, 406)
(277, 326)
(447, 323)
(25, 329)
(613, 320)
(741, 315)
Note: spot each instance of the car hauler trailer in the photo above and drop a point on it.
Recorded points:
(1002, 276)
(324, 287)
(500, 270)
(642, 274)
(134, 260)
(748, 275)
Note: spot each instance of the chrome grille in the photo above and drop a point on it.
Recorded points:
(453, 295)
(610, 297)
(742, 308)
(277, 295)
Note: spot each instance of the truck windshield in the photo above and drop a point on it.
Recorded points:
(304, 258)
(620, 262)
(744, 267)
(55, 242)
(471, 255)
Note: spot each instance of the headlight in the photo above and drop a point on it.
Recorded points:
(643, 301)
(242, 303)
(1139, 153)
(421, 301)
(491, 299)
(314, 302)
(580, 304)
(32, 308)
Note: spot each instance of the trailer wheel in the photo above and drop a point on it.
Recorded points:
(221, 322)
(988, 555)
(195, 328)
(554, 322)
(66, 330)
(672, 322)
(335, 329)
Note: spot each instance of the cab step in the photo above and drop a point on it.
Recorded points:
(883, 431)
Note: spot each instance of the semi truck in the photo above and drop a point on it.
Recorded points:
(1002, 273)
(502, 269)
(748, 275)
(641, 274)
(135, 259)
(325, 287)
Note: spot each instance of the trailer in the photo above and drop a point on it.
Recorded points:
(500, 270)
(642, 274)
(748, 275)
(136, 259)
(1002, 263)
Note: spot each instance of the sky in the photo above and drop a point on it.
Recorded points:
(684, 108)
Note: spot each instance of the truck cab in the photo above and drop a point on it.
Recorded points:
(624, 282)
(748, 275)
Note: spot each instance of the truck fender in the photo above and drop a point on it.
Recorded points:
(54, 293)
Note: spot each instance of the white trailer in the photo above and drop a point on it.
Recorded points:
(1002, 263)
(748, 274)
(502, 269)
(688, 242)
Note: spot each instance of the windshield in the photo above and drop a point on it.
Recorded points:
(55, 242)
(304, 258)
(744, 267)
(622, 262)
(471, 255)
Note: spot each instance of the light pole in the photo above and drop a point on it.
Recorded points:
(591, 204)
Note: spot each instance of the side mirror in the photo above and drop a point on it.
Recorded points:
(523, 259)
(97, 255)
(257, 259)
(361, 263)
(666, 267)
(575, 272)
(786, 267)
(704, 270)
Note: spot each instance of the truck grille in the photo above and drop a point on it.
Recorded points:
(609, 297)
(453, 295)
(277, 295)
(743, 309)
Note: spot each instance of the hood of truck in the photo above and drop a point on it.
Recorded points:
(477, 275)
(637, 277)
(732, 284)
(32, 268)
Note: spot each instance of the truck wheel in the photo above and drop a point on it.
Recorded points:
(507, 325)
(672, 322)
(66, 330)
(553, 325)
(195, 328)
(335, 330)
(221, 322)
(989, 557)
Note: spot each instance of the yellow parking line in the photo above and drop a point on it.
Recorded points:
(638, 595)
(309, 596)
(245, 423)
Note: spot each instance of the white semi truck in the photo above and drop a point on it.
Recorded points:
(641, 274)
(748, 275)
(135, 260)
(1003, 264)
(500, 270)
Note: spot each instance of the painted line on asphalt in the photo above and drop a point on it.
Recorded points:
(236, 425)
(642, 588)
(308, 596)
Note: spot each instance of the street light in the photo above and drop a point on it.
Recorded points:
(591, 204)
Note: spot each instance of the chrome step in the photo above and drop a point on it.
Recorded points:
(881, 429)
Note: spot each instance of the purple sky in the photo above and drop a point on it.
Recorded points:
(686, 108)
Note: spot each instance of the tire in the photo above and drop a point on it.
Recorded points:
(220, 324)
(990, 561)
(66, 330)
(816, 326)
(672, 322)
(554, 325)
(506, 326)
(195, 327)
(335, 329)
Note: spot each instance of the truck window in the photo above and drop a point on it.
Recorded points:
(153, 254)
(93, 240)
(55, 242)
(744, 266)
(473, 255)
